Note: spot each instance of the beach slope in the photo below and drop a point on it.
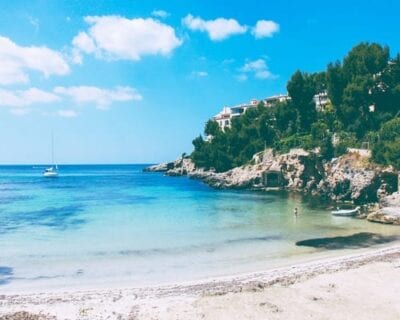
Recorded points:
(357, 286)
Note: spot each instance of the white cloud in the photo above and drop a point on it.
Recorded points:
(259, 68)
(101, 98)
(115, 37)
(67, 113)
(218, 29)
(160, 13)
(84, 42)
(21, 102)
(16, 61)
(25, 98)
(200, 74)
(265, 29)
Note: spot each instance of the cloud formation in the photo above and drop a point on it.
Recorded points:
(265, 29)
(21, 102)
(160, 14)
(101, 98)
(25, 98)
(218, 29)
(16, 62)
(116, 37)
(222, 28)
(258, 68)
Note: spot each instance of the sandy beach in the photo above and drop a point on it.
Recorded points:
(355, 286)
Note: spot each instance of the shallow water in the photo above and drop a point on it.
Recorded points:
(100, 225)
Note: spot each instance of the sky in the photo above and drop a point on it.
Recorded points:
(134, 81)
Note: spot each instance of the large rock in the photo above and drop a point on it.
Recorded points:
(390, 215)
(389, 212)
(237, 178)
(162, 167)
(392, 200)
(179, 167)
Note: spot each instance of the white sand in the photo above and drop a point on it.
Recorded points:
(357, 286)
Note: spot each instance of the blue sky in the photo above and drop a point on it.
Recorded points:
(134, 81)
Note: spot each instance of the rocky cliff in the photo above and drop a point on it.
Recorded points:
(350, 177)
(353, 177)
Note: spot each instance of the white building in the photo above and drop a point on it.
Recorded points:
(321, 100)
(271, 101)
(224, 118)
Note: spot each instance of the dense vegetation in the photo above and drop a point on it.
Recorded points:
(364, 91)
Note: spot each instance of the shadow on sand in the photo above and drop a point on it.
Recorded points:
(357, 240)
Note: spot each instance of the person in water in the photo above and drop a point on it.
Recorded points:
(295, 211)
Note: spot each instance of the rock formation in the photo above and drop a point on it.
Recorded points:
(389, 212)
(350, 177)
(179, 167)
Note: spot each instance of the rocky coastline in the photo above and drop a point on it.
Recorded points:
(349, 178)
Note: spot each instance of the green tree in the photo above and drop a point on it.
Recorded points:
(301, 88)
(327, 150)
(364, 91)
(365, 59)
(386, 150)
(336, 83)
(212, 128)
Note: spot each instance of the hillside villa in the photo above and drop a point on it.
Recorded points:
(225, 116)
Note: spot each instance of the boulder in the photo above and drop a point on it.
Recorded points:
(389, 215)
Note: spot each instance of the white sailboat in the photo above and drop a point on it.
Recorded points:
(51, 172)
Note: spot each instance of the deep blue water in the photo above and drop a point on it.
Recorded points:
(103, 224)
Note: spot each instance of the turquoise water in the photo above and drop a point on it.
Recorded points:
(115, 225)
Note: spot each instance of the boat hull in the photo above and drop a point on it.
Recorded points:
(346, 213)
(50, 174)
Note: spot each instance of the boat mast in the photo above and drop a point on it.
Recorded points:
(52, 150)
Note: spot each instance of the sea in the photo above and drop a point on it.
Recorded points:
(102, 226)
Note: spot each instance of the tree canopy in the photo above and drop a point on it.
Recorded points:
(364, 94)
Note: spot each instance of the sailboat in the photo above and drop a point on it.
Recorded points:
(51, 172)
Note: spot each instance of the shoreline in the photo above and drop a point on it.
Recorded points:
(103, 303)
(345, 180)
